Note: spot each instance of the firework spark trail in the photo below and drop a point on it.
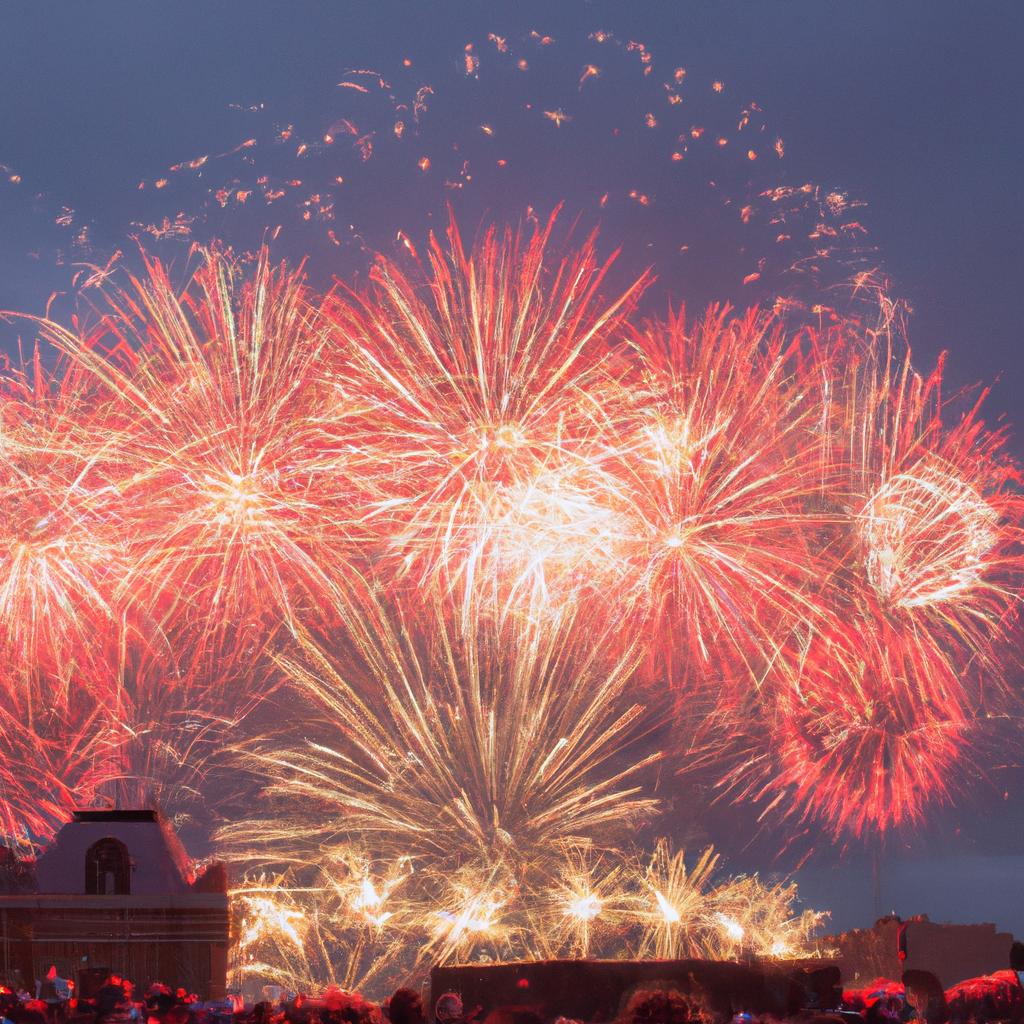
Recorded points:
(170, 727)
(924, 512)
(277, 936)
(716, 471)
(684, 149)
(476, 916)
(762, 919)
(53, 760)
(486, 746)
(857, 745)
(62, 541)
(489, 385)
(232, 485)
(143, 733)
(675, 903)
(585, 904)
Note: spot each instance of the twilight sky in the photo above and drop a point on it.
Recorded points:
(914, 106)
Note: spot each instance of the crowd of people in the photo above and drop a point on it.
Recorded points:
(918, 997)
(55, 1001)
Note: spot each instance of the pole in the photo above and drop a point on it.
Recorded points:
(876, 876)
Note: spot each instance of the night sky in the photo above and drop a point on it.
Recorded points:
(914, 106)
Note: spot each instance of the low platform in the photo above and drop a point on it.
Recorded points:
(597, 990)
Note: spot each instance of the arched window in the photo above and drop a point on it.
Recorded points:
(107, 869)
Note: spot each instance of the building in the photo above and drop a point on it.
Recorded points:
(952, 952)
(115, 892)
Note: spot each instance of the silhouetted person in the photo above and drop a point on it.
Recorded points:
(925, 995)
(448, 1009)
(1017, 961)
(159, 999)
(109, 996)
(406, 1007)
(657, 1007)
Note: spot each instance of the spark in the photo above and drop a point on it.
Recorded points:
(733, 930)
(485, 403)
(491, 746)
(585, 908)
(227, 474)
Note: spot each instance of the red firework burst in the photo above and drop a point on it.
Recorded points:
(62, 543)
(855, 745)
(52, 760)
(933, 508)
(487, 382)
(233, 487)
(714, 473)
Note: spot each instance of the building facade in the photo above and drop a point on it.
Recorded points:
(952, 952)
(115, 892)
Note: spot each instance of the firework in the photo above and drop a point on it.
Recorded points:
(935, 509)
(372, 891)
(168, 730)
(266, 917)
(331, 931)
(62, 544)
(54, 760)
(716, 470)
(482, 747)
(488, 383)
(586, 904)
(851, 742)
(675, 904)
(926, 536)
(762, 920)
(278, 937)
(477, 916)
(232, 486)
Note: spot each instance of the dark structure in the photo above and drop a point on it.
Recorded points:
(952, 952)
(597, 990)
(115, 891)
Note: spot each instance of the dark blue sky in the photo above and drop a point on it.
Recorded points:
(913, 105)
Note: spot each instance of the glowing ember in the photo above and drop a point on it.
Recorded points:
(586, 907)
